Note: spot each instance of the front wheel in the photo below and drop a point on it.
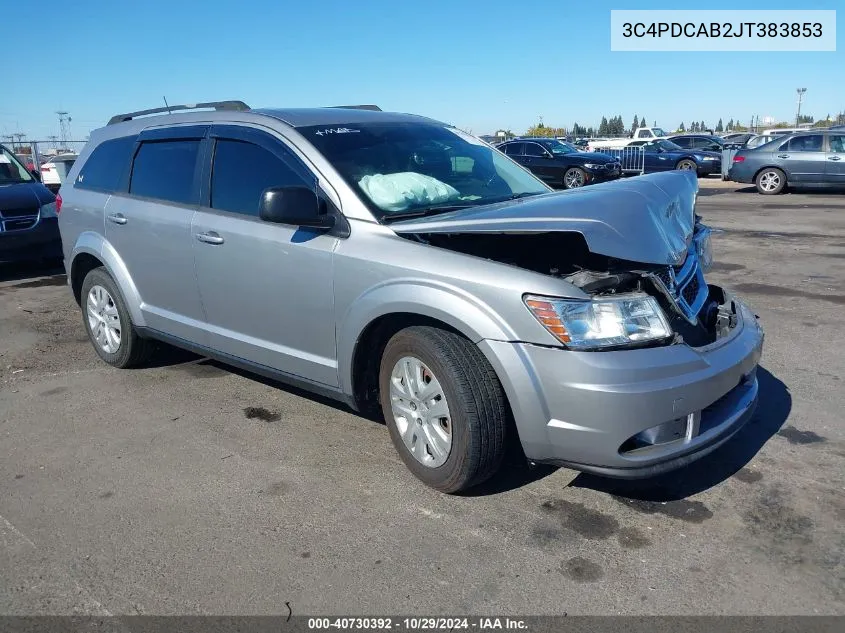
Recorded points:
(574, 177)
(444, 407)
(687, 165)
(770, 181)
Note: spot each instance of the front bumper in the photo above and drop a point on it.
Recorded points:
(582, 409)
(603, 175)
(42, 241)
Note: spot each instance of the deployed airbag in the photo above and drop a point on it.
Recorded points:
(397, 192)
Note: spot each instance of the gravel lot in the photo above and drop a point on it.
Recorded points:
(190, 488)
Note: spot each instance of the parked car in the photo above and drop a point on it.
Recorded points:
(560, 164)
(641, 134)
(395, 263)
(761, 139)
(698, 141)
(739, 138)
(54, 171)
(663, 155)
(812, 159)
(28, 225)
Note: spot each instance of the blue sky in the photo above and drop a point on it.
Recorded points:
(463, 61)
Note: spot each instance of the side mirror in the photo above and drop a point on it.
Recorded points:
(298, 206)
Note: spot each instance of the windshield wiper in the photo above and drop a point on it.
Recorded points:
(426, 211)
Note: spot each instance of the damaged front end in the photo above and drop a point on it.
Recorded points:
(621, 242)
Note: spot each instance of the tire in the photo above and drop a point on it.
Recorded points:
(685, 164)
(132, 350)
(574, 178)
(770, 181)
(476, 407)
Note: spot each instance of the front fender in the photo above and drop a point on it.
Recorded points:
(453, 306)
(94, 244)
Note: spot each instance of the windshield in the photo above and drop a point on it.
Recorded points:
(11, 170)
(401, 168)
(658, 131)
(558, 147)
(668, 145)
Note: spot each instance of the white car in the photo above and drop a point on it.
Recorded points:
(53, 172)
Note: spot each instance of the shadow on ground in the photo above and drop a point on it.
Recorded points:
(772, 412)
(24, 271)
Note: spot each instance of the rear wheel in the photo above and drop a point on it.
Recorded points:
(687, 165)
(574, 177)
(444, 407)
(108, 324)
(770, 181)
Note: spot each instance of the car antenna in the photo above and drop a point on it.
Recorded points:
(166, 105)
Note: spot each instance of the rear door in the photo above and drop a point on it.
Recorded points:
(803, 158)
(149, 225)
(835, 163)
(682, 141)
(267, 288)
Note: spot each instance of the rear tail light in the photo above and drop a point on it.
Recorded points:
(739, 159)
(58, 203)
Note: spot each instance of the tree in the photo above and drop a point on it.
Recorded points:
(603, 127)
(719, 127)
(635, 124)
(654, 124)
(703, 127)
(731, 124)
(681, 127)
(591, 132)
(643, 121)
(693, 126)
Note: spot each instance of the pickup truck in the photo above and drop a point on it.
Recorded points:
(641, 133)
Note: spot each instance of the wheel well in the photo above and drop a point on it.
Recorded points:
(757, 173)
(82, 265)
(368, 352)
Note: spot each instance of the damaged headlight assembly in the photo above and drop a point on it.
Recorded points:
(601, 323)
(704, 248)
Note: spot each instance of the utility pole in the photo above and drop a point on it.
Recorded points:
(53, 140)
(20, 136)
(64, 126)
(800, 92)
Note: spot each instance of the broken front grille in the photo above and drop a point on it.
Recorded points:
(685, 285)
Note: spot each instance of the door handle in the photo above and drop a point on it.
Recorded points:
(118, 218)
(834, 158)
(783, 155)
(210, 238)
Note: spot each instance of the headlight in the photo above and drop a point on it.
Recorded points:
(593, 166)
(600, 323)
(704, 249)
(49, 210)
(709, 158)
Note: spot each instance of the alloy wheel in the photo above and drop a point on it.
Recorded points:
(103, 319)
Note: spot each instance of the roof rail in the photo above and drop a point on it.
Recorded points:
(237, 106)
(359, 107)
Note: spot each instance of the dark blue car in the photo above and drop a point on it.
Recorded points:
(663, 155)
(28, 214)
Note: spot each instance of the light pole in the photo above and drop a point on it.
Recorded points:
(800, 92)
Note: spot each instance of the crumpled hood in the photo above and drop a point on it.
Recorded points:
(647, 219)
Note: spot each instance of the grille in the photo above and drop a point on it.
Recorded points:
(19, 225)
(18, 213)
(690, 291)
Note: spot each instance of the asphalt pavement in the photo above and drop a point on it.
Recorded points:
(187, 487)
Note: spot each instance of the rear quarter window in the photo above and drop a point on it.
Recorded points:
(106, 165)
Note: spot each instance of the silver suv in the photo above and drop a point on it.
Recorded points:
(398, 264)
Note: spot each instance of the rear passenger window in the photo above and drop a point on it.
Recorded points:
(514, 149)
(106, 164)
(805, 143)
(241, 173)
(165, 170)
(682, 142)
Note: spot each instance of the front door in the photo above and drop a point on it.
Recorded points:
(267, 289)
(150, 229)
(538, 160)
